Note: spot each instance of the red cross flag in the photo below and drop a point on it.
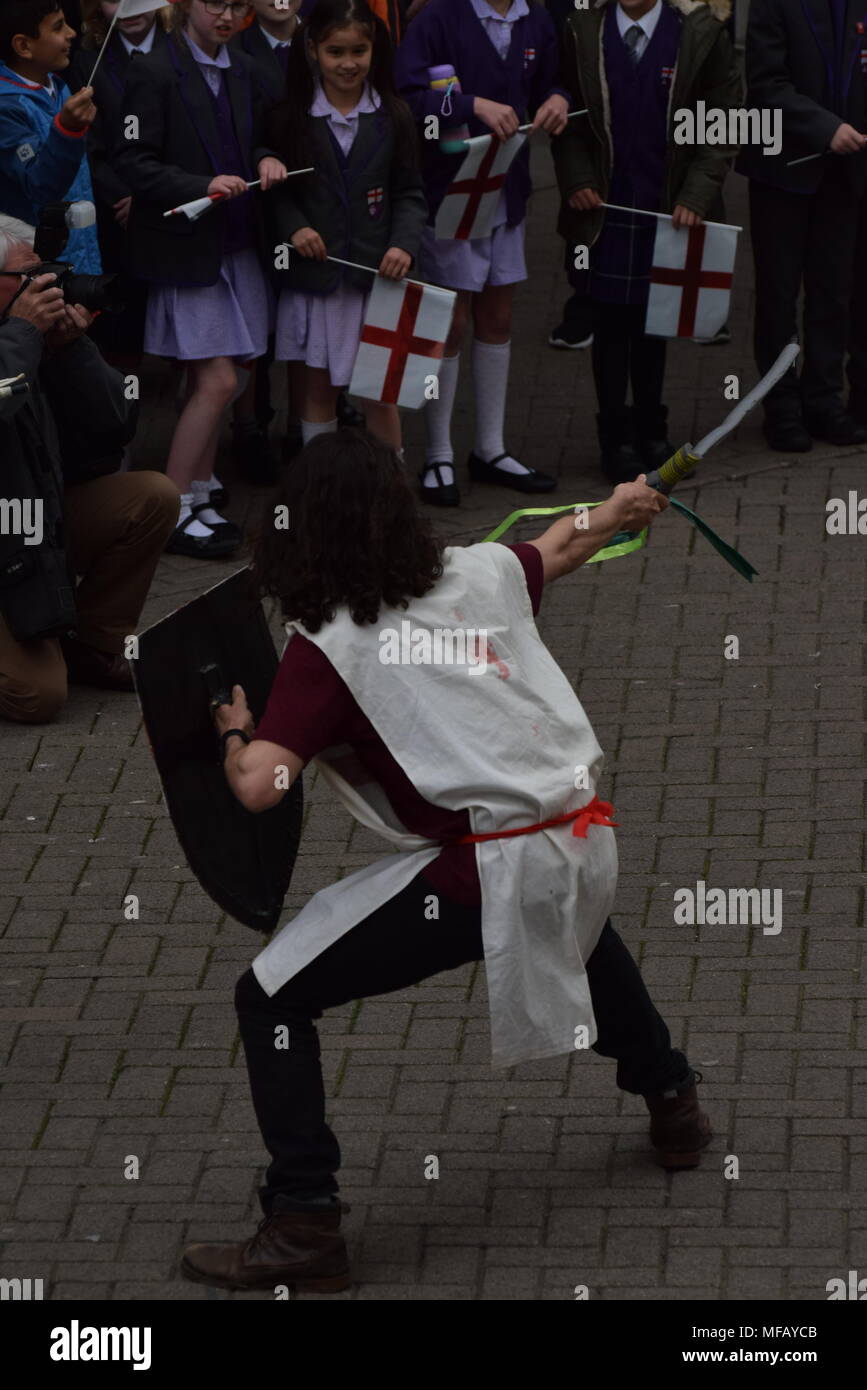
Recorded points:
(470, 202)
(691, 280)
(402, 341)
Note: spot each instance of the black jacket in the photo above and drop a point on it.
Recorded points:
(360, 206)
(267, 70)
(108, 85)
(175, 157)
(790, 60)
(69, 428)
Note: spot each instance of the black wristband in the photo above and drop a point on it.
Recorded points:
(228, 734)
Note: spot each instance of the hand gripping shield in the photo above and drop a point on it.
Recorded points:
(243, 860)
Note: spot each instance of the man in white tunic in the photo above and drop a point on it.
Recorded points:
(416, 678)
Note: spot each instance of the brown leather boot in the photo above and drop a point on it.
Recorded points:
(679, 1128)
(86, 665)
(303, 1250)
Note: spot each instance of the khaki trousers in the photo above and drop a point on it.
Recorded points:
(116, 529)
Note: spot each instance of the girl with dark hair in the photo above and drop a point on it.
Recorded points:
(415, 676)
(364, 203)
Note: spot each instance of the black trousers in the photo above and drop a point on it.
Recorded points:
(623, 353)
(804, 239)
(393, 948)
(857, 368)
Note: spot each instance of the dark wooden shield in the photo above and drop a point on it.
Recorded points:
(243, 861)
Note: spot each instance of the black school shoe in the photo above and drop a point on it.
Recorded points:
(482, 472)
(838, 427)
(227, 530)
(650, 436)
(440, 494)
(787, 435)
(211, 547)
(619, 459)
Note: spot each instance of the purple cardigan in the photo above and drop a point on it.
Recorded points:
(448, 31)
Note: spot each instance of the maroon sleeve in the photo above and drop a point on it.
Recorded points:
(534, 572)
(309, 704)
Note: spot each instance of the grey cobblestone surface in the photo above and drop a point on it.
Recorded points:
(119, 1037)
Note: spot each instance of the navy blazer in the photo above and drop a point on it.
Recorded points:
(268, 71)
(176, 155)
(791, 65)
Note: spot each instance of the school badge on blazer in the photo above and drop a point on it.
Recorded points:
(375, 197)
(667, 76)
(529, 57)
(864, 59)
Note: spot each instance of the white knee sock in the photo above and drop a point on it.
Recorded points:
(438, 417)
(310, 429)
(490, 384)
(195, 528)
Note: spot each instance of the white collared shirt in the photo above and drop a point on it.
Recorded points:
(276, 43)
(210, 66)
(498, 27)
(146, 44)
(647, 22)
(344, 124)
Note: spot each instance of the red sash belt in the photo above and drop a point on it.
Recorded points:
(596, 812)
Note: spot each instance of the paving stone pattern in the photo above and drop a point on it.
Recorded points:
(120, 1037)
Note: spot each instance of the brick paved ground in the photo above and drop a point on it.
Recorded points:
(121, 1037)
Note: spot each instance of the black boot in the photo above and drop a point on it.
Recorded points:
(651, 436)
(619, 461)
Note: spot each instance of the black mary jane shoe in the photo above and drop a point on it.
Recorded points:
(533, 481)
(226, 529)
(441, 494)
(210, 547)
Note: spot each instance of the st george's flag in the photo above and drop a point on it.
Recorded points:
(470, 203)
(691, 280)
(402, 341)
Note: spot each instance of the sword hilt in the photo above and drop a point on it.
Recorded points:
(215, 683)
(681, 465)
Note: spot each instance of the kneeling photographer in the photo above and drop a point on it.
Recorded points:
(64, 509)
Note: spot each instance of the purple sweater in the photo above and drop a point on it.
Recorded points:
(448, 31)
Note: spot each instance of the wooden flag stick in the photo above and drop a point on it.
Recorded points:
(642, 212)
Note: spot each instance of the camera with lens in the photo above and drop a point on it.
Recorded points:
(97, 293)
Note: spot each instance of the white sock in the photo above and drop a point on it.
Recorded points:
(310, 429)
(195, 528)
(438, 413)
(214, 483)
(430, 478)
(490, 385)
(201, 493)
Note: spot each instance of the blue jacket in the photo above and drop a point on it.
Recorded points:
(41, 164)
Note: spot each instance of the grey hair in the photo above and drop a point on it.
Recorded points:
(13, 233)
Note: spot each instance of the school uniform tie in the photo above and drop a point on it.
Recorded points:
(283, 50)
(632, 38)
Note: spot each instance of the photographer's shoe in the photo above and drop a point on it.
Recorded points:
(86, 665)
(303, 1250)
(679, 1128)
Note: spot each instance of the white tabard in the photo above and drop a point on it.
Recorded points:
(504, 743)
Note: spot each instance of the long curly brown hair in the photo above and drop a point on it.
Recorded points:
(354, 534)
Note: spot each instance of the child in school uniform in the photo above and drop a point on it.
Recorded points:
(504, 54)
(119, 335)
(198, 126)
(633, 64)
(365, 203)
